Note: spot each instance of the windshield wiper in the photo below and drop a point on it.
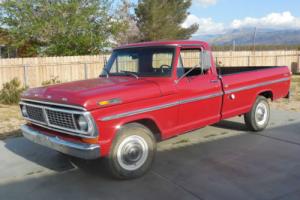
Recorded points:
(131, 73)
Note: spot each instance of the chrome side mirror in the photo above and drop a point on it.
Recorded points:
(206, 60)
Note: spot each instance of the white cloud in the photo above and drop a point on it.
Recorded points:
(274, 20)
(284, 20)
(206, 25)
(206, 3)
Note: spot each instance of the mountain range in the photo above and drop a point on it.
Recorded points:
(246, 37)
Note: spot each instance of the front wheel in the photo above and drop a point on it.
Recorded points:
(132, 152)
(258, 118)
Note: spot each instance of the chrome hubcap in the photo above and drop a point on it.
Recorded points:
(261, 114)
(132, 152)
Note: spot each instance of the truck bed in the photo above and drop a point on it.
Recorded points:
(242, 85)
(235, 70)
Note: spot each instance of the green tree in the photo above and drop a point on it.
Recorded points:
(59, 27)
(129, 32)
(4, 37)
(162, 19)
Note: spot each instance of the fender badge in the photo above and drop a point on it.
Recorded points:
(49, 97)
(64, 99)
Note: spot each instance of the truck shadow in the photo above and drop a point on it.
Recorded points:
(231, 125)
(263, 165)
(58, 162)
(38, 154)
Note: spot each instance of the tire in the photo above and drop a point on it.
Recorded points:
(132, 152)
(258, 117)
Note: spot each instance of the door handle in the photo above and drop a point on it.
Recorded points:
(214, 81)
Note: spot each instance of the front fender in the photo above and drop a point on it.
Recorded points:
(109, 129)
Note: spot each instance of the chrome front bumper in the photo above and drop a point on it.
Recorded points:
(76, 149)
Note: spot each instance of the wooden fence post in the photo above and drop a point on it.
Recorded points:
(85, 71)
(25, 75)
(298, 69)
(248, 61)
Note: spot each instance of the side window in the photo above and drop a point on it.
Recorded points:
(190, 57)
(194, 57)
(162, 59)
(125, 63)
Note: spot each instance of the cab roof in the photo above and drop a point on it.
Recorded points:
(180, 43)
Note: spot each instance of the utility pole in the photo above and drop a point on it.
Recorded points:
(233, 45)
(254, 39)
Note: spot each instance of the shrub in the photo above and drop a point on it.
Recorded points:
(11, 92)
(52, 81)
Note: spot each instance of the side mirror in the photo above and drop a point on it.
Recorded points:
(204, 65)
(206, 61)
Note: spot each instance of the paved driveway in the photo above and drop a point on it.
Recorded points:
(223, 161)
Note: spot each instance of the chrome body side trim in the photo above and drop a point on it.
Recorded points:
(77, 149)
(190, 100)
(54, 104)
(201, 98)
(256, 85)
(163, 106)
(140, 111)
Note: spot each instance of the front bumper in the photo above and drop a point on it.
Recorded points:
(76, 149)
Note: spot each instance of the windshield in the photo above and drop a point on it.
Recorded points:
(143, 61)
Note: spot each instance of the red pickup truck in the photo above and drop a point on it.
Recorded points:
(148, 92)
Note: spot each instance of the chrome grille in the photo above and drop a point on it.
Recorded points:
(58, 118)
(35, 113)
(61, 119)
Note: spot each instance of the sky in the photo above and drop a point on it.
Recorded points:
(219, 16)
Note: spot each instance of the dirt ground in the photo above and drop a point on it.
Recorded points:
(10, 116)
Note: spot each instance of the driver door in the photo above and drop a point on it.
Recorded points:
(200, 91)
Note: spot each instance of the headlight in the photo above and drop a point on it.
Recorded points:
(82, 123)
(24, 111)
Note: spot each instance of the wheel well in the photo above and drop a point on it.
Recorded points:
(152, 126)
(267, 94)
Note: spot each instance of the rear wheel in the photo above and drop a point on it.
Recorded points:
(258, 118)
(132, 152)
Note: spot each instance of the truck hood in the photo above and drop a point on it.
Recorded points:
(88, 93)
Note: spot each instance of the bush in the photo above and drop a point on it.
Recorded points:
(11, 92)
(52, 81)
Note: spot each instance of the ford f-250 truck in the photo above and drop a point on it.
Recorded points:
(148, 92)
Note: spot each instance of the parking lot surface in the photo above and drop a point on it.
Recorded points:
(223, 161)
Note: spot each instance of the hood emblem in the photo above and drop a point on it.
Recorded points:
(36, 95)
(64, 99)
(49, 97)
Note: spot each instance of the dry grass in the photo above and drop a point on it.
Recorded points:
(10, 121)
(292, 104)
